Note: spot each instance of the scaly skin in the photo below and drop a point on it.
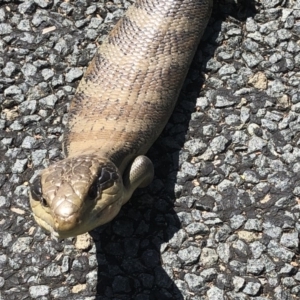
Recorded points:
(120, 107)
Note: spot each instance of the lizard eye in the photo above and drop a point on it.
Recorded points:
(36, 191)
(93, 191)
(105, 179)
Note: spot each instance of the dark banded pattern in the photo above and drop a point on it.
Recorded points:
(132, 84)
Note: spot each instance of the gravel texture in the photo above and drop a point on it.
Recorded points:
(221, 218)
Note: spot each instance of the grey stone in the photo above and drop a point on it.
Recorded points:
(256, 144)
(209, 130)
(209, 274)
(28, 142)
(4, 202)
(3, 259)
(73, 74)
(215, 293)
(195, 283)
(257, 249)
(39, 291)
(245, 114)
(28, 107)
(252, 60)
(24, 25)
(281, 294)
(250, 45)
(169, 258)
(223, 233)
(272, 230)
(293, 47)
(297, 276)
(38, 156)
(197, 228)
(252, 288)
(275, 249)
(272, 126)
(189, 255)
(289, 282)
(66, 7)
(48, 102)
(29, 70)
(209, 257)
(185, 218)
(213, 221)
(27, 7)
(237, 267)
(30, 119)
(47, 74)
(268, 262)
(91, 34)
(225, 185)
(237, 221)
(280, 180)
(60, 292)
(95, 23)
(219, 144)
(91, 9)
(238, 283)
(52, 270)
(223, 251)
(251, 25)
(186, 201)
(195, 146)
(2, 15)
(225, 56)
(19, 166)
(202, 102)
(207, 155)
(276, 88)
(255, 266)
(290, 240)
(43, 3)
(189, 169)
(251, 176)
(270, 4)
(213, 65)
(296, 190)
(232, 120)
(287, 269)
(182, 286)
(65, 265)
(5, 28)
(10, 69)
(92, 277)
(226, 70)
(178, 238)
(274, 116)
(57, 80)
(13, 90)
(253, 224)
(2, 282)
(241, 247)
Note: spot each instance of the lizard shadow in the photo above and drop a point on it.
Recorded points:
(129, 248)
